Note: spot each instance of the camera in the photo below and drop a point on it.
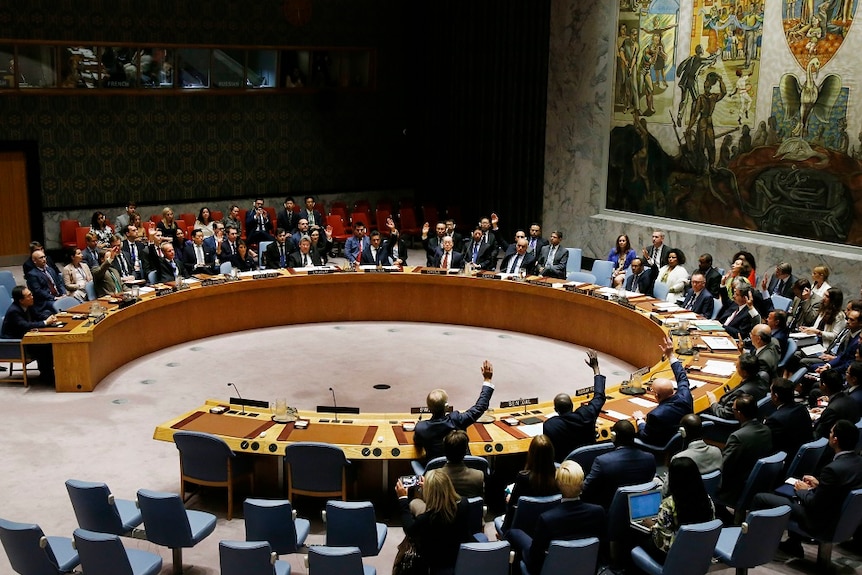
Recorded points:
(409, 480)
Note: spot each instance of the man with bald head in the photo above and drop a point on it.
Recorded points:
(520, 259)
(446, 257)
(572, 428)
(45, 283)
(662, 422)
(766, 350)
(429, 434)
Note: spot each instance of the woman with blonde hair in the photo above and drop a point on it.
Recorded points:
(819, 275)
(167, 224)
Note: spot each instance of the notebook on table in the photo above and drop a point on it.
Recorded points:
(643, 509)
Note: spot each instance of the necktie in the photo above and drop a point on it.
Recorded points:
(374, 255)
(516, 262)
(199, 253)
(635, 285)
(733, 315)
(779, 288)
(551, 253)
(839, 341)
(691, 301)
(50, 282)
(445, 264)
(304, 260)
(118, 287)
(124, 266)
(532, 244)
(174, 267)
(281, 259)
(654, 257)
(475, 253)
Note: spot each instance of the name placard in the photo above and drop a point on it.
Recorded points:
(519, 402)
(321, 271)
(424, 409)
(265, 275)
(164, 291)
(585, 391)
(434, 272)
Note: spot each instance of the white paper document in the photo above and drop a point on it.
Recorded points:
(616, 414)
(641, 402)
(718, 367)
(719, 343)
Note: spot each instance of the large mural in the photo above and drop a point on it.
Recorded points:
(737, 113)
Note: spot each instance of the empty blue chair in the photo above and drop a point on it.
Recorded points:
(31, 553)
(781, 302)
(168, 523)
(5, 300)
(65, 303)
(152, 275)
(353, 524)
(763, 478)
(104, 554)
(486, 558)
(792, 346)
(225, 268)
(586, 454)
(755, 541)
(806, 459)
(275, 521)
(477, 518)
(97, 510)
(690, 554)
(564, 555)
(574, 262)
(250, 558)
(603, 269)
(848, 521)
(90, 288)
(712, 481)
(716, 307)
(316, 469)
(581, 277)
(660, 290)
(527, 511)
(7, 280)
(323, 560)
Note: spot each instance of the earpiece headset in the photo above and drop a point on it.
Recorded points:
(682, 431)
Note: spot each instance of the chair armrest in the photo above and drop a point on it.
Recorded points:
(719, 420)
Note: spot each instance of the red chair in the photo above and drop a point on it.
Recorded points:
(189, 219)
(320, 206)
(339, 233)
(454, 213)
(384, 205)
(382, 215)
(273, 217)
(409, 227)
(68, 233)
(216, 215)
(181, 224)
(342, 205)
(145, 231)
(362, 205)
(80, 240)
(430, 215)
(339, 211)
(156, 218)
(361, 216)
(405, 203)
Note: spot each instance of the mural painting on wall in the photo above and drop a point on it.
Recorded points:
(789, 169)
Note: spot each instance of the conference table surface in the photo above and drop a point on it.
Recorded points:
(86, 351)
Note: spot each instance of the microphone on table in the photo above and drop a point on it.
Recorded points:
(241, 400)
(334, 404)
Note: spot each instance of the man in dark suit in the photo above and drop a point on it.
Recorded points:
(305, 256)
(656, 256)
(846, 351)
(28, 263)
(468, 482)
(19, 319)
(553, 258)
(519, 259)
(625, 465)
(169, 267)
(45, 283)
(781, 282)
(106, 277)
(429, 434)
(91, 250)
(777, 322)
(805, 307)
(744, 447)
(740, 315)
(433, 242)
(313, 216)
(375, 253)
(134, 250)
(747, 367)
(479, 252)
(535, 241)
(663, 421)
(574, 428)
(853, 377)
(258, 226)
(446, 257)
(819, 500)
(639, 281)
(712, 275)
(457, 238)
(571, 519)
(766, 350)
(197, 257)
(840, 406)
(277, 253)
(287, 219)
(698, 299)
(790, 423)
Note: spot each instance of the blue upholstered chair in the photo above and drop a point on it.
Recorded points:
(603, 269)
(620, 534)
(275, 521)
(169, 524)
(97, 510)
(848, 521)
(486, 558)
(763, 478)
(31, 553)
(250, 558)
(690, 554)
(471, 461)
(323, 560)
(583, 277)
(353, 524)
(660, 290)
(712, 481)
(807, 457)
(574, 262)
(104, 554)
(781, 302)
(755, 541)
(90, 288)
(586, 454)
(316, 469)
(527, 511)
(563, 555)
(65, 303)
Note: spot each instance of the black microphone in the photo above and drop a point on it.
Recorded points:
(241, 400)
(334, 404)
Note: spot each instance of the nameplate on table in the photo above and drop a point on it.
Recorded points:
(539, 282)
(212, 281)
(597, 295)
(575, 289)
(265, 275)
(585, 391)
(320, 271)
(378, 270)
(95, 319)
(519, 402)
(656, 319)
(424, 409)
(164, 291)
(434, 271)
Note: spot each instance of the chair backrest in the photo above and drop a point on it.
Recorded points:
(781, 302)
(807, 457)
(203, 456)
(765, 407)
(261, 247)
(586, 454)
(528, 510)
(101, 553)
(408, 218)
(165, 519)
(27, 548)
(380, 216)
(471, 461)
(81, 237)
(315, 466)
(7, 280)
(618, 512)
(660, 290)
(712, 481)
(763, 478)
(581, 277)
(477, 514)
(245, 558)
(761, 533)
(189, 219)
(67, 232)
(429, 214)
(563, 555)
(792, 346)
(851, 512)
(5, 300)
(603, 269)
(90, 288)
(859, 442)
(64, 303)
(225, 268)
(94, 507)
(271, 520)
(352, 524)
(324, 560)
(574, 262)
(716, 307)
(691, 552)
(490, 558)
(337, 223)
(152, 275)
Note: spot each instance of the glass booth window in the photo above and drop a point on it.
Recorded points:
(157, 68)
(193, 67)
(260, 71)
(119, 66)
(228, 68)
(36, 66)
(295, 66)
(7, 67)
(79, 67)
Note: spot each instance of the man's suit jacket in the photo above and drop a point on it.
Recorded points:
(768, 357)
(655, 264)
(165, 273)
(190, 259)
(123, 264)
(644, 283)
(106, 279)
(467, 482)
(288, 220)
(402, 248)
(663, 421)
(570, 520)
(318, 217)
(528, 263)
(702, 303)
(29, 265)
(429, 433)
(622, 466)
(744, 447)
(706, 457)
(742, 322)
(578, 427)
(19, 321)
(483, 256)
(431, 243)
(755, 387)
(91, 257)
(251, 223)
(841, 406)
(805, 312)
(713, 281)
(141, 257)
(456, 263)
(786, 289)
(295, 259)
(272, 257)
(556, 268)
(791, 427)
(837, 479)
(540, 243)
(368, 259)
(43, 299)
(847, 355)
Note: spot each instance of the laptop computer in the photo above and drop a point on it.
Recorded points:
(643, 509)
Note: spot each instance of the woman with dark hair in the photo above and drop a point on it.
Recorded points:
(748, 257)
(621, 255)
(242, 260)
(322, 243)
(76, 274)
(687, 503)
(180, 241)
(673, 275)
(99, 226)
(204, 222)
(445, 524)
(739, 269)
(831, 320)
(537, 477)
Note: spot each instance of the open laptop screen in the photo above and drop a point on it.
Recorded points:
(644, 505)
